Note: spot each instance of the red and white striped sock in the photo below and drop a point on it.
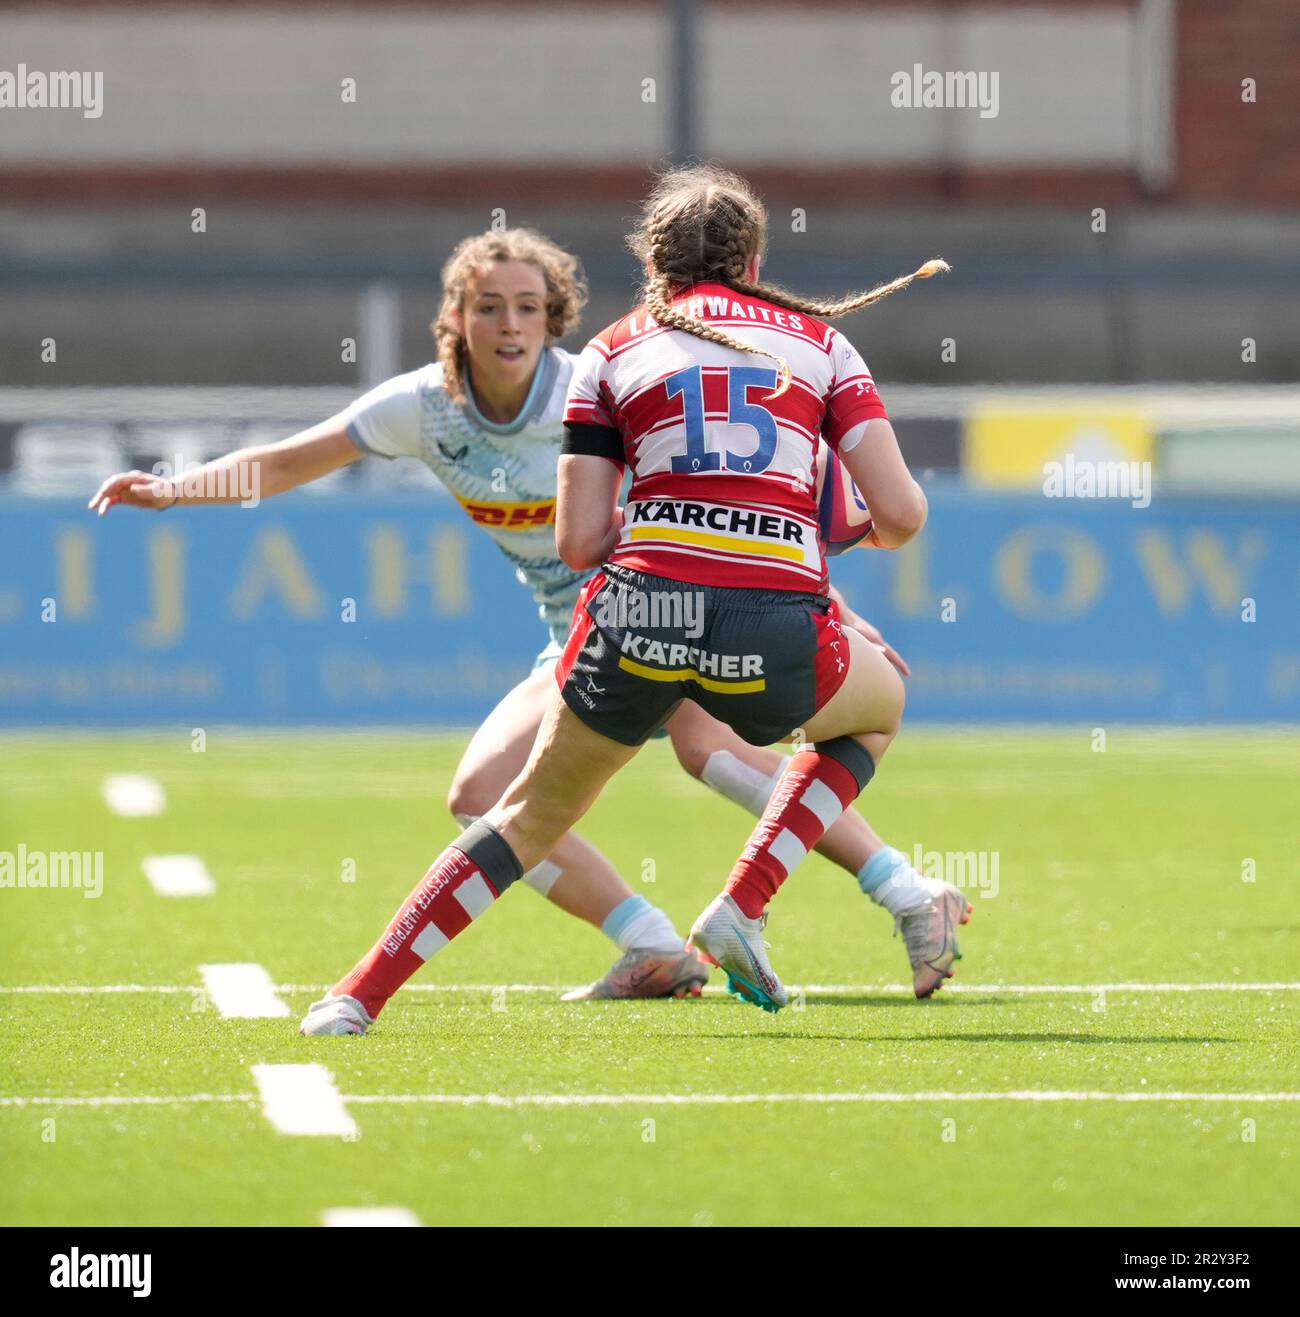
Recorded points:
(820, 783)
(460, 885)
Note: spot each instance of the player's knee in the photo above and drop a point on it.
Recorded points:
(532, 827)
(468, 799)
(691, 755)
(692, 749)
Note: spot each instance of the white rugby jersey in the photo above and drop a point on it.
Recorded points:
(504, 476)
(723, 475)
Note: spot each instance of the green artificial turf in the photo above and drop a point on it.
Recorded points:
(1117, 867)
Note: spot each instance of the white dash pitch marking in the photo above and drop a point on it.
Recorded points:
(133, 795)
(178, 875)
(302, 1099)
(369, 1216)
(243, 992)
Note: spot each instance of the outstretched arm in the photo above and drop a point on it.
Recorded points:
(266, 468)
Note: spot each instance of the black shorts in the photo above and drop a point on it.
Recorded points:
(761, 661)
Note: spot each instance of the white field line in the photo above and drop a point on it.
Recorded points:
(621, 1099)
(868, 989)
(133, 795)
(243, 992)
(77, 988)
(130, 1100)
(302, 1099)
(369, 1216)
(827, 989)
(828, 1099)
(178, 875)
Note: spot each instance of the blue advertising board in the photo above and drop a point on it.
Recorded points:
(356, 610)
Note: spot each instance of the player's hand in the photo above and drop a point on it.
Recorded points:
(135, 489)
(851, 619)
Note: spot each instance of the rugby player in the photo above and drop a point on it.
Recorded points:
(740, 526)
(486, 420)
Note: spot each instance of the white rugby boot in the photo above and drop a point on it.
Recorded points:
(647, 974)
(335, 1016)
(726, 937)
(930, 932)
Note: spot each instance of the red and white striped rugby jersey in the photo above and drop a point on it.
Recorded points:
(723, 475)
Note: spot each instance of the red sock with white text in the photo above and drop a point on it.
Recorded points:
(819, 784)
(461, 883)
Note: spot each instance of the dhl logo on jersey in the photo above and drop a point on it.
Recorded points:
(511, 516)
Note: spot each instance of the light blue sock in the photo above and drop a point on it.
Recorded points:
(622, 915)
(892, 882)
(636, 925)
(878, 869)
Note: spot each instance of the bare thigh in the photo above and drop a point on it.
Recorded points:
(566, 771)
(869, 704)
(499, 749)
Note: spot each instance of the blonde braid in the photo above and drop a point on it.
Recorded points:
(779, 296)
(726, 258)
(704, 223)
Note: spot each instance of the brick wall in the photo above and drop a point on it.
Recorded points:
(1230, 152)
(228, 99)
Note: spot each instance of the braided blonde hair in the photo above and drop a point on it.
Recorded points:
(703, 223)
(566, 290)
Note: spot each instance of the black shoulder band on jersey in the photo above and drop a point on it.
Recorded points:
(593, 441)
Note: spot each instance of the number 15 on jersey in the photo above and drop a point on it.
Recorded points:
(699, 455)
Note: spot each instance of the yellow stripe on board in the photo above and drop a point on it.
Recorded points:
(717, 542)
(690, 674)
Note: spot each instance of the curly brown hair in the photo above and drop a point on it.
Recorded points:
(566, 290)
(703, 223)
